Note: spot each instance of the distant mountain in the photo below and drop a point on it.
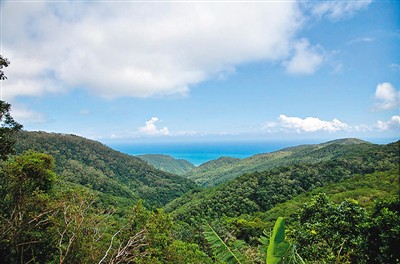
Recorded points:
(168, 163)
(209, 169)
(305, 169)
(92, 164)
(225, 171)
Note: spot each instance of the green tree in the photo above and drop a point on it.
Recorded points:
(3, 63)
(25, 183)
(8, 126)
(384, 231)
(330, 233)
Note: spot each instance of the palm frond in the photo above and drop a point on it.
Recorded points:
(223, 252)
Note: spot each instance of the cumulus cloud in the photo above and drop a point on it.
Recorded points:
(311, 124)
(392, 124)
(386, 97)
(151, 129)
(137, 48)
(306, 59)
(335, 10)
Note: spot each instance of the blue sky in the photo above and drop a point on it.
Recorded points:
(134, 71)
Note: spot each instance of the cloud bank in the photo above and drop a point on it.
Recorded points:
(138, 49)
(311, 124)
(151, 49)
(392, 124)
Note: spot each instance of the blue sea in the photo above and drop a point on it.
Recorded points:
(200, 152)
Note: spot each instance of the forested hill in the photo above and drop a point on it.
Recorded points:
(208, 170)
(261, 191)
(103, 169)
(168, 163)
(207, 176)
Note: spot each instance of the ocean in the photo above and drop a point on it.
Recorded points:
(200, 152)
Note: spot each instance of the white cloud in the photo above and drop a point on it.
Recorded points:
(137, 48)
(311, 124)
(306, 59)
(151, 129)
(24, 115)
(335, 10)
(392, 124)
(386, 97)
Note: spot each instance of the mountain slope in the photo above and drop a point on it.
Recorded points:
(103, 169)
(210, 168)
(363, 189)
(168, 163)
(261, 191)
(261, 162)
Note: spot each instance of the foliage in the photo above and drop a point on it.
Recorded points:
(225, 169)
(261, 191)
(91, 164)
(168, 163)
(25, 181)
(211, 170)
(363, 189)
(384, 231)
(8, 129)
(331, 233)
(91, 211)
(223, 252)
(347, 233)
(3, 63)
(278, 247)
(8, 126)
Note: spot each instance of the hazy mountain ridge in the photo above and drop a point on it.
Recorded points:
(260, 162)
(92, 164)
(168, 163)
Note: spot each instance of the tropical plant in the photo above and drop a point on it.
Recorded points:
(223, 252)
(278, 247)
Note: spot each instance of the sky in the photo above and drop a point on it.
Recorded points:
(166, 71)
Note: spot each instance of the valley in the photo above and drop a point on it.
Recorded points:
(118, 195)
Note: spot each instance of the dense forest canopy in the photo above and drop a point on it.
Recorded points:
(94, 165)
(168, 163)
(67, 199)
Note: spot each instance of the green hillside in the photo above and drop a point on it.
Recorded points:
(225, 171)
(317, 166)
(168, 163)
(365, 189)
(210, 168)
(88, 210)
(92, 164)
